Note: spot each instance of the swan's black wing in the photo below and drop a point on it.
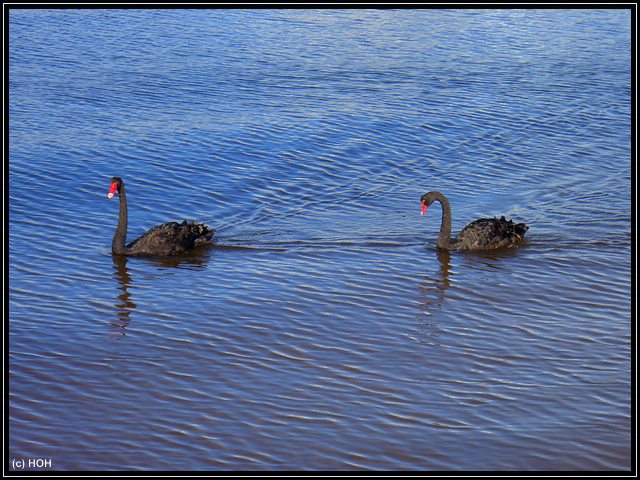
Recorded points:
(170, 239)
(488, 233)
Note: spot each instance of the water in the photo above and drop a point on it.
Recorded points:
(324, 331)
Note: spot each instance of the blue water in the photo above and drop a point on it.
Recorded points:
(324, 330)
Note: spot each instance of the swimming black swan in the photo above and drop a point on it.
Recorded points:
(162, 240)
(483, 234)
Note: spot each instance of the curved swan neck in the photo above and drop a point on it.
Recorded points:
(119, 238)
(444, 239)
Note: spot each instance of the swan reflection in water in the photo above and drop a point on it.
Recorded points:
(124, 304)
(433, 287)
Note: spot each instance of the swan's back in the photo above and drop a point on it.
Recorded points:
(170, 239)
(489, 233)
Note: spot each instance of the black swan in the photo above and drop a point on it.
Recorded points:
(483, 234)
(167, 239)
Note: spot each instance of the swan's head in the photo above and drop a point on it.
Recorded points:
(426, 200)
(116, 185)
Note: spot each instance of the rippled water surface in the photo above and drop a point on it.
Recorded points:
(324, 330)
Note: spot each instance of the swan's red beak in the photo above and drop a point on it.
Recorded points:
(424, 208)
(112, 191)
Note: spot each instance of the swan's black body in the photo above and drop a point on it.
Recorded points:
(162, 240)
(483, 234)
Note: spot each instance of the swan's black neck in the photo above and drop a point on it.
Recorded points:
(119, 238)
(444, 239)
